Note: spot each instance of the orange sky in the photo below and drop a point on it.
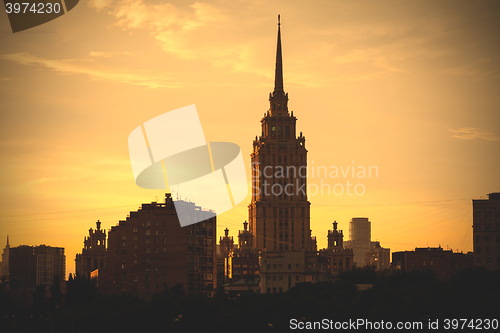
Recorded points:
(409, 87)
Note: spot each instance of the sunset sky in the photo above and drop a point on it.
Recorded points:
(411, 87)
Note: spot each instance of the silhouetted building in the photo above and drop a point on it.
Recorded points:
(339, 259)
(30, 266)
(4, 265)
(279, 215)
(443, 262)
(224, 248)
(93, 254)
(244, 260)
(280, 271)
(486, 232)
(150, 251)
(378, 257)
(365, 251)
(359, 239)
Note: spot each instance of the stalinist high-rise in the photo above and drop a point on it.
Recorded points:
(279, 216)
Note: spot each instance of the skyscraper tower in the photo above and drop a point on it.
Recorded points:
(279, 216)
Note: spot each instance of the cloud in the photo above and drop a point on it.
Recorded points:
(472, 133)
(96, 71)
(49, 179)
(477, 70)
(99, 4)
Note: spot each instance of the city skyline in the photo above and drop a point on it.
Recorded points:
(408, 88)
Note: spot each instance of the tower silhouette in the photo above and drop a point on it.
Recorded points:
(279, 216)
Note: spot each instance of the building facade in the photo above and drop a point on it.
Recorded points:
(30, 266)
(443, 262)
(378, 257)
(359, 239)
(224, 248)
(244, 260)
(4, 265)
(150, 251)
(93, 254)
(486, 231)
(339, 259)
(279, 212)
(280, 271)
(366, 252)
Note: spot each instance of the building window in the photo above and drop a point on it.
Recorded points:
(477, 215)
(124, 237)
(487, 215)
(124, 266)
(478, 249)
(296, 278)
(148, 223)
(487, 226)
(274, 277)
(488, 250)
(136, 230)
(297, 266)
(478, 261)
(488, 261)
(148, 285)
(281, 290)
(281, 277)
(478, 226)
(274, 290)
(268, 290)
(478, 238)
(148, 232)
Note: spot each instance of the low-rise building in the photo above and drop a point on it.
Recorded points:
(444, 262)
(280, 271)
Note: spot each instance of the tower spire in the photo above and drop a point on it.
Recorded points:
(278, 75)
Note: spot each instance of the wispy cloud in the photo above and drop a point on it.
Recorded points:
(477, 70)
(472, 133)
(98, 54)
(49, 179)
(94, 70)
(99, 4)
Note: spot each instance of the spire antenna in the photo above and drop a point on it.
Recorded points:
(278, 75)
